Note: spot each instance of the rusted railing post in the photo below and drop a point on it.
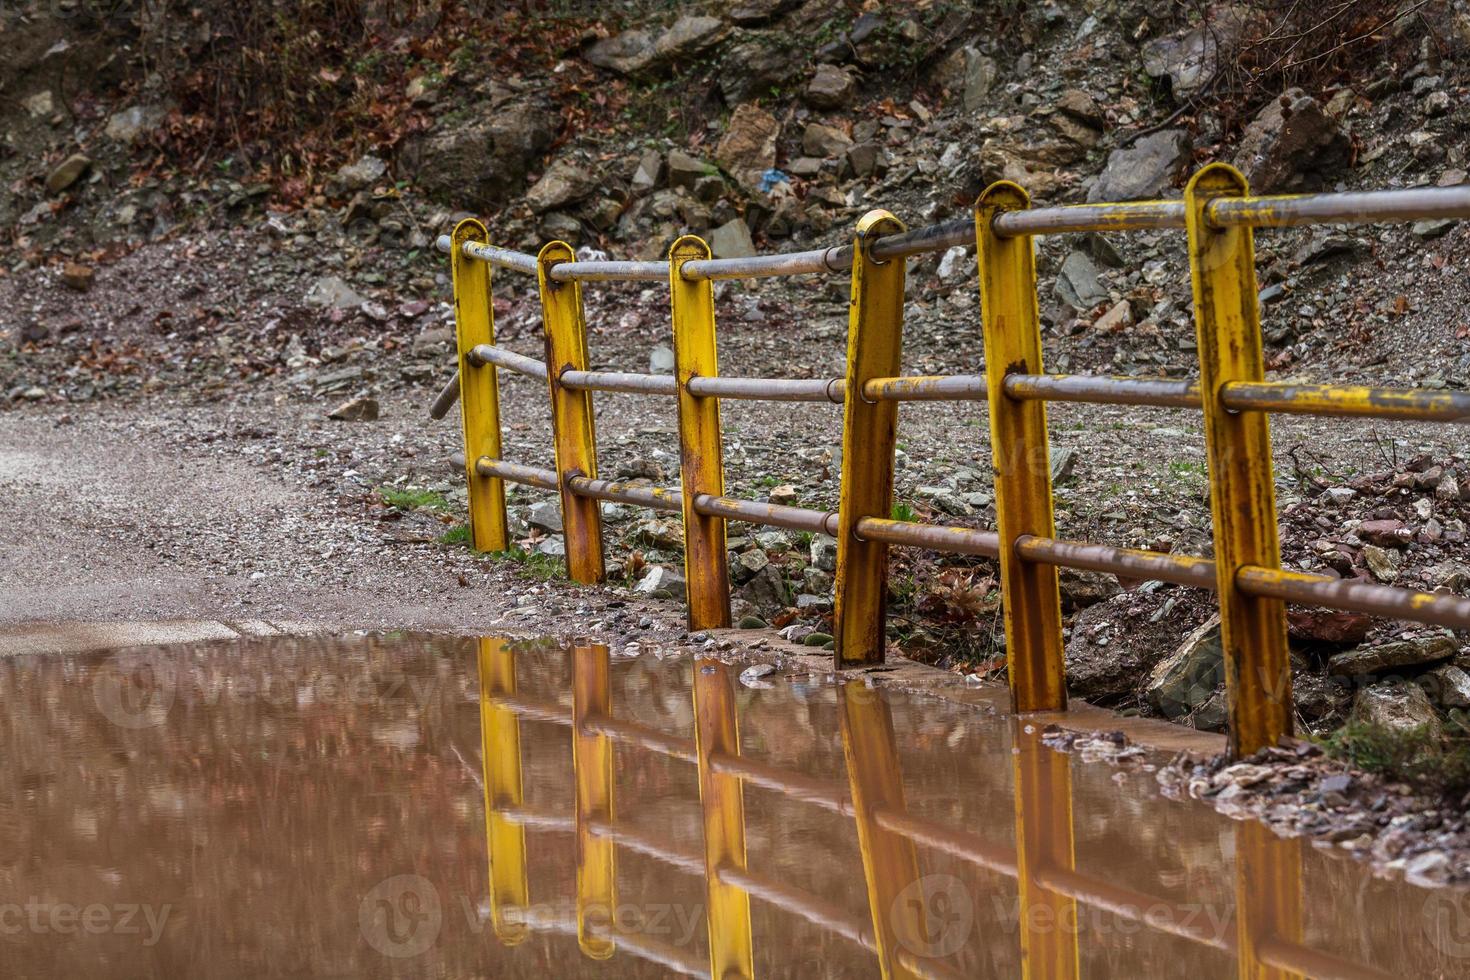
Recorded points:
(479, 393)
(869, 429)
(1242, 496)
(500, 752)
(717, 733)
(1018, 446)
(571, 414)
(706, 564)
(592, 767)
(1044, 843)
(899, 908)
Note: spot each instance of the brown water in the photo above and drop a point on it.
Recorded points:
(318, 807)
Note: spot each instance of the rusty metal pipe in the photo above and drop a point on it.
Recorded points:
(957, 843)
(1353, 207)
(503, 257)
(1299, 960)
(770, 389)
(1127, 562)
(1407, 404)
(923, 388)
(936, 537)
(654, 498)
(1442, 609)
(624, 381)
(771, 515)
(759, 266)
(616, 271)
(1132, 904)
(483, 354)
(645, 843)
(530, 476)
(446, 399)
(1102, 390)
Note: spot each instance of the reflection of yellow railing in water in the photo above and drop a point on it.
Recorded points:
(1267, 940)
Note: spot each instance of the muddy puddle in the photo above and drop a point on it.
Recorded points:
(423, 806)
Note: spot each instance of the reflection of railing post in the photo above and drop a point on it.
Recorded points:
(592, 765)
(500, 750)
(1242, 497)
(869, 430)
(716, 733)
(1268, 898)
(479, 394)
(1047, 919)
(571, 413)
(706, 565)
(1018, 446)
(890, 861)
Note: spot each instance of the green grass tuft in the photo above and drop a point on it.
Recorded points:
(1427, 761)
(413, 498)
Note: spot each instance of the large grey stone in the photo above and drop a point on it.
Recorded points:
(626, 53)
(1291, 144)
(748, 148)
(661, 579)
(333, 292)
(1187, 678)
(685, 170)
(130, 123)
(830, 88)
(1144, 170)
(362, 174)
(1077, 284)
(732, 240)
(482, 161)
(565, 182)
(68, 172)
(1189, 58)
(1384, 657)
(688, 36)
(1397, 707)
(821, 140)
(546, 515)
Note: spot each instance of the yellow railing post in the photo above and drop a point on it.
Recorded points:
(717, 733)
(572, 423)
(1044, 842)
(592, 766)
(869, 429)
(500, 750)
(479, 394)
(1018, 446)
(1242, 496)
(1268, 898)
(899, 912)
(706, 565)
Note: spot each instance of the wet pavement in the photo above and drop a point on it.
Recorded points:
(298, 806)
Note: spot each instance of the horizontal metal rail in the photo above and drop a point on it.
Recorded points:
(1351, 207)
(759, 266)
(939, 537)
(1442, 609)
(529, 476)
(615, 271)
(1308, 962)
(1405, 404)
(923, 388)
(771, 515)
(1103, 390)
(547, 711)
(482, 354)
(623, 381)
(770, 389)
(654, 498)
(1127, 562)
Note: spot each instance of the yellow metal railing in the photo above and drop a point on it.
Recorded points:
(1218, 215)
(894, 845)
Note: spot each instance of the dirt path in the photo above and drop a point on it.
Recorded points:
(136, 514)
